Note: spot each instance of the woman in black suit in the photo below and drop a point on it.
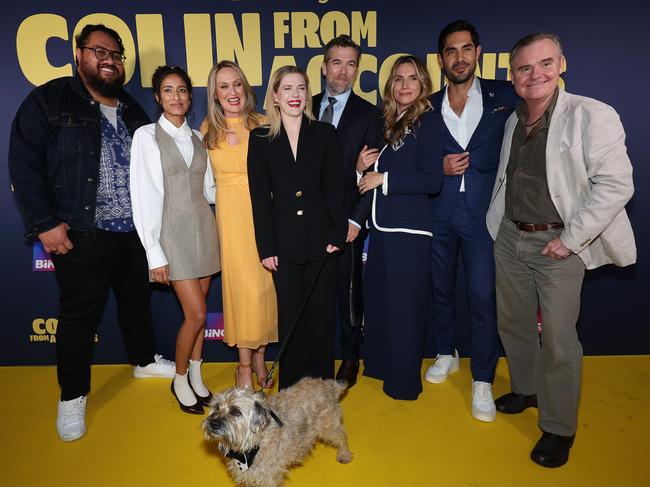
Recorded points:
(406, 173)
(295, 172)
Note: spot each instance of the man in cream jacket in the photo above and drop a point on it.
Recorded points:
(558, 208)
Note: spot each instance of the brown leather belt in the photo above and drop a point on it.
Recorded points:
(537, 227)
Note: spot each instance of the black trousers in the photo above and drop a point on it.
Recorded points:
(349, 296)
(99, 261)
(310, 352)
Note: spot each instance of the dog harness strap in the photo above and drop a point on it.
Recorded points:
(275, 417)
(244, 459)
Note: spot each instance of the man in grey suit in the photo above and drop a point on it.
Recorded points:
(557, 209)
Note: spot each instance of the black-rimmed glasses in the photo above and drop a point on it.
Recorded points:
(101, 54)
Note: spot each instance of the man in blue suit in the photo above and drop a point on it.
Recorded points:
(474, 113)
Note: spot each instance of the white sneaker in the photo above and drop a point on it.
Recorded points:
(483, 407)
(71, 419)
(442, 367)
(160, 367)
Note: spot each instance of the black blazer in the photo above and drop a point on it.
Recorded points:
(297, 204)
(360, 125)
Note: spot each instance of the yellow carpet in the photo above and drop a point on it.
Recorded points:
(137, 436)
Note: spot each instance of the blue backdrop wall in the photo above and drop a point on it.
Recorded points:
(607, 58)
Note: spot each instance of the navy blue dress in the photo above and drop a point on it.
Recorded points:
(397, 291)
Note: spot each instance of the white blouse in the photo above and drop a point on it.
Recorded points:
(147, 189)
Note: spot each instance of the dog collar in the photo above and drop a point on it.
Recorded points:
(244, 460)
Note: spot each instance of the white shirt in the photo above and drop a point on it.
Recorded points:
(462, 128)
(110, 113)
(147, 188)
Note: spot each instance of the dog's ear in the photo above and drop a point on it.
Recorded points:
(260, 417)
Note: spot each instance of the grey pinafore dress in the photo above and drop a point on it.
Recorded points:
(188, 234)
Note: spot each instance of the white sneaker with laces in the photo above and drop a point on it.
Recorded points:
(71, 419)
(483, 407)
(160, 367)
(442, 367)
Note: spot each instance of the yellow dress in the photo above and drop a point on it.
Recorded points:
(249, 303)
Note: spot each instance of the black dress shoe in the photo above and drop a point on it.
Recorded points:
(512, 403)
(195, 408)
(348, 372)
(552, 450)
(203, 400)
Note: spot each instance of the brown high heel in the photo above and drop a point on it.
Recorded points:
(238, 381)
(261, 378)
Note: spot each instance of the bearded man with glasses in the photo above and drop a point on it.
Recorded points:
(69, 168)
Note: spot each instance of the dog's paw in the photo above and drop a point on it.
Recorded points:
(344, 456)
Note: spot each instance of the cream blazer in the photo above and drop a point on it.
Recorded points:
(589, 179)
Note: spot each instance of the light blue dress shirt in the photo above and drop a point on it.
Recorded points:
(338, 107)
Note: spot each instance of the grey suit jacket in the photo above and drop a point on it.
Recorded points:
(589, 178)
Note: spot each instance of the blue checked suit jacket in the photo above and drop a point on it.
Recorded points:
(499, 101)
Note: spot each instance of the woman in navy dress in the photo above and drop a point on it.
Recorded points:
(406, 174)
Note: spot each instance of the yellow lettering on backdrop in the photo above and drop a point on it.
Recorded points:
(38, 325)
(280, 28)
(198, 47)
(504, 63)
(435, 71)
(31, 41)
(364, 29)
(489, 66)
(304, 27)
(314, 73)
(368, 62)
(121, 28)
(151, 45)
(246, 50)
(51, 325)
(333, 23)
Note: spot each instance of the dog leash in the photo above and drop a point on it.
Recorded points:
(294, 323)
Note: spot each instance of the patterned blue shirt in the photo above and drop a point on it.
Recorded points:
(113, 212)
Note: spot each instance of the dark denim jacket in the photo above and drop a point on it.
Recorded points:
(54, 154)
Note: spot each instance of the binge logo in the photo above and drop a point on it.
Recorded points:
(40, 259)
(44, 330)
(214, 327)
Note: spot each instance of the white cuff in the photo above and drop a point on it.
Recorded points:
(156, 257)
(352, 222)
(384, 186)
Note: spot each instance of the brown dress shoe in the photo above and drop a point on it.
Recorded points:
(552, 450)
(348, 372)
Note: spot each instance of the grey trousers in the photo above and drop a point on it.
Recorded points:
(547, 364)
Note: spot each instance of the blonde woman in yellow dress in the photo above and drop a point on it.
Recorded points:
(249, 302)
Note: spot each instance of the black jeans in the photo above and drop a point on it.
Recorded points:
(99, 261)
